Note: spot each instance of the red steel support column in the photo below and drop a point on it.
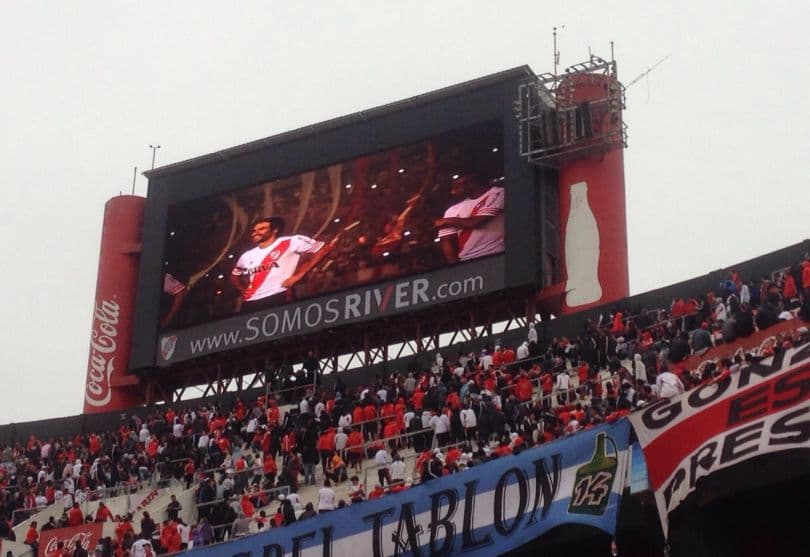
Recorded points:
(109, 386)
(592, 209)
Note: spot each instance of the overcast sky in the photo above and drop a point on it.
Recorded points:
(715, 169)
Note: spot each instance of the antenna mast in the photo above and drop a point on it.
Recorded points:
(556, 52)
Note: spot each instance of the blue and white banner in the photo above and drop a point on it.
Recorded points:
(486, 510)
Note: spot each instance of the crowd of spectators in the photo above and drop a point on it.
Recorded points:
(247, 465)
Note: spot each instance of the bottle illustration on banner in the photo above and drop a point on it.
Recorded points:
(581, 250)
(594, 481)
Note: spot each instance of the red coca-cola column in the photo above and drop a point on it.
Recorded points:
(109, 386)
(592, 207)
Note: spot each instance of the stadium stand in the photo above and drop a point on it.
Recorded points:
(195, 474)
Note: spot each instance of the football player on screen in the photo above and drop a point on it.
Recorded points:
(268, 270)
(474, 226)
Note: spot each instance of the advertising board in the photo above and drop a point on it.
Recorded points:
(400, 192)
(392, 214)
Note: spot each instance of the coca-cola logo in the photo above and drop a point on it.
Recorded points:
(103, 345)
(167, 345)
(83, 539)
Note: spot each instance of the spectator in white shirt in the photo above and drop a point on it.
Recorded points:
(440, 424)
(252, 426)
(185, 533)
(142, 548)
(486, 360)
(398, 470)
(720, 312)
(319, 409)
(562, 385)
(410, 384)
(745, 294)
(67, 471)
(426, 417)
(202, 443)
(68, 486)
(668, 384)
(469, 421)
(295, 500)
(340, 442)
(523, 350)
(326, 497)
(383, 460)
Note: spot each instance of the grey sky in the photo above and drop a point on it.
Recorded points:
(715, 169)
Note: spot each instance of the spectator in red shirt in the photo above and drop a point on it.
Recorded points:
(170, 537)
(354, 446)
(272, 414)
(418, 398)
(525, 389)
(269, 468)
(369, 416)
(387, 410)
(806, 275)
(390, 430)
(789, 290)
(617, 327)
(326, 446)
(75, 516)
(103, 514)
(376, 493)
(32, 537)
(497, 358)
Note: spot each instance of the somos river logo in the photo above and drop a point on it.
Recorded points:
(103, 344)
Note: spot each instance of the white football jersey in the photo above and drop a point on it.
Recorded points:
(483, 240)
(268, 267)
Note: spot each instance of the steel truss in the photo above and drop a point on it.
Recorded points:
(383, 342)
(554, 129)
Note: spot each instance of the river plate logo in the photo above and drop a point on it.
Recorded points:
(594, 480)
(167, 345)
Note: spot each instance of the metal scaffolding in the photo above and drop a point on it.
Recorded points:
(553, 128)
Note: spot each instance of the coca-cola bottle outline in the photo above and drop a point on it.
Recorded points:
(582, 249)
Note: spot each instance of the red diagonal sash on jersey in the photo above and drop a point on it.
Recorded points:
(465, 233)
(267, 265)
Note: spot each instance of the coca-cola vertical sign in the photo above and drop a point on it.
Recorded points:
(108, 386)
(592, 205)
(86, 535)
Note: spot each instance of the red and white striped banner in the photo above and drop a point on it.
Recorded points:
(764, 408)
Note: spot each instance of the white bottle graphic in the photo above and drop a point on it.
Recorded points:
(581, 250)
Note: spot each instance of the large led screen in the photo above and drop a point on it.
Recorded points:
(390, 214)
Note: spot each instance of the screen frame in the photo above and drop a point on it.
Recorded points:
(345, 139)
